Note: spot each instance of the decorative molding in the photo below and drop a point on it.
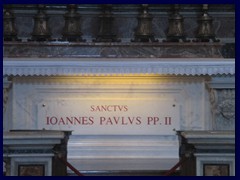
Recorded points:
(35, 137)
(65, 49)
(124, 8)
(7, 166)
(111, 66)
(5, 98)
(27, 151)
(228, 50)
(215, 159)
(46, 161)
(206, 140)
(6, 90)
(223, 108)
(222, 82)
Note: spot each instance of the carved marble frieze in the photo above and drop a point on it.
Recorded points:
(223, 108)
(113, 49)
(6, 90)
(5, 98)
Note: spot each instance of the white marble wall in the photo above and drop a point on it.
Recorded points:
(190, 93)
(115, 152)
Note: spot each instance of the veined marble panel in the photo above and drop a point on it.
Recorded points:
(58, 49)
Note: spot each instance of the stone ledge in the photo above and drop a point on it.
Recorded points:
(34, 137)
(113, 66)
(210, 140)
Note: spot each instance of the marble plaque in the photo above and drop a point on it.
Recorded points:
(110, 116)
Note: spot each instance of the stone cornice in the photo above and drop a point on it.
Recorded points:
(116, 66)
(210, 139)
(222, 82)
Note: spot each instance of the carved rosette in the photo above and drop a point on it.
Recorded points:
(223, 109)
